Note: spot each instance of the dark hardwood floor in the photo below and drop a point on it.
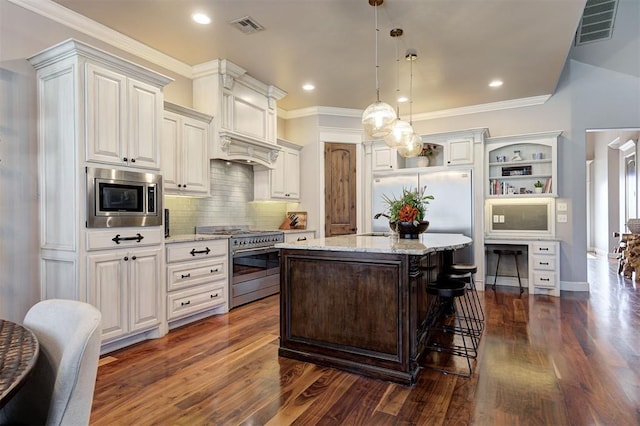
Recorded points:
(573, 360)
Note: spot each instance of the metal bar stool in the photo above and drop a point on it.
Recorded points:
(465, 272)
(515, 254)
(448, 332)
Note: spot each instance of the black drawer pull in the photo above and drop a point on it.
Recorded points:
(185, 275)
(545, 279)
(214, 270)
(544, 263)
(544, 249)
(213, 295)
(302, 239)
(118, 238)
(193, 252)
(188, 302)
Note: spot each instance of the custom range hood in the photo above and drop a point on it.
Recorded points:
(244, 112)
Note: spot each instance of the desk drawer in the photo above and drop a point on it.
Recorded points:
(544, 279)
(543, 248)
(545, 263)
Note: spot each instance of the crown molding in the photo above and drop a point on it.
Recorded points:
(476, 109)
(319, 110)
(473, 109)
(73, 20)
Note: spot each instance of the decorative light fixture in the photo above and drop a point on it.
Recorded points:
(414, 146)
(401, 131)
(378, 116)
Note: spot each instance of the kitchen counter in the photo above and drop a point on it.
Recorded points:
(358, 302)
(383, 243)
(194, 237)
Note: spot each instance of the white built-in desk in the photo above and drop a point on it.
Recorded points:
(543, 264)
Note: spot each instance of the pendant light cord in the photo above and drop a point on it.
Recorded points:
(377, 65)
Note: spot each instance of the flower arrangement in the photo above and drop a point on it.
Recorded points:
(428, 150)
(410, 207)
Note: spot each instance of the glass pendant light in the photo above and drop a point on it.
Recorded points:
(378, 116)
(401, 131)
(414, 146)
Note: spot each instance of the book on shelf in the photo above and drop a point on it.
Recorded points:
(547, 186)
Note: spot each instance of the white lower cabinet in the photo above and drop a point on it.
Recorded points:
(126, 285)
(544, 268)
(197, 280)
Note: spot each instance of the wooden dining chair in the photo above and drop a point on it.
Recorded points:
(60, 388)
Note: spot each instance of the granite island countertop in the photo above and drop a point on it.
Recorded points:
(382, 243)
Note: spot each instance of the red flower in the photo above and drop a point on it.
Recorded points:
(407, 213)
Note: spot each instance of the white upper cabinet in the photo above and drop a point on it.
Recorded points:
(123, 118)
(459, 151)
(283, 181)
(245, 111)
(383, 157)
(184, 148)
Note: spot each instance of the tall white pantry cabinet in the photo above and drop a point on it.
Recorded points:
(98, 110)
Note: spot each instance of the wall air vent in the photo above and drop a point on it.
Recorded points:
(247, 25)
(597, 21)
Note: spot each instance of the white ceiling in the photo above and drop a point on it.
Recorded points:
(462, 45)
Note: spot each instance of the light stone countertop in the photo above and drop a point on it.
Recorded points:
(194, 237)
(296, 231)
(383, 243)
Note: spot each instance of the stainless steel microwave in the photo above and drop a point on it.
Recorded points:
(117, 198)
(520, 217)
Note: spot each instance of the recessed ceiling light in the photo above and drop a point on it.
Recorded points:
(308, 87)
(495, 83)
(201, 18)
(402, 99)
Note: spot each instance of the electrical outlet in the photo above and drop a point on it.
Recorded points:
(562, 207)
(501, 218)
(562, 218)
(496, 218)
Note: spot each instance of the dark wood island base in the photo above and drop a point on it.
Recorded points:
(362, 312)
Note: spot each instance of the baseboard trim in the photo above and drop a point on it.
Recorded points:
(574, 286)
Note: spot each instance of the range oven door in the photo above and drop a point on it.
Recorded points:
(252, 264)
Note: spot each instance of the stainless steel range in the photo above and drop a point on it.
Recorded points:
(254, 262)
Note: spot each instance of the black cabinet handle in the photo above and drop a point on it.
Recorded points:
(544, 263)
(193, 252)
(302, 239)
(133, 160)
(544, 249)
(179, 185)
(544, 279)
(118, 238)
(185, 276)
(214, 270)
(188, 302)
(213, 295)
(133, 258)
(125, 159)
(126, 258)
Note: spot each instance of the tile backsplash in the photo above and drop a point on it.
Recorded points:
(230, 203)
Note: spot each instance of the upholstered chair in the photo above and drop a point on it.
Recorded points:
(60, 389)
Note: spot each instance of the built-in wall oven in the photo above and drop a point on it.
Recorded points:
(254, 270)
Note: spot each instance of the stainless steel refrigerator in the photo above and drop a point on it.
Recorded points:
(451, 210)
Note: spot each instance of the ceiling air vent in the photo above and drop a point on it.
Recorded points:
(247, 25)
(597, 21)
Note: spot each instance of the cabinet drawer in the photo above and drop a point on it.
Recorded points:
(544, 279)
(196, 250)
(124, 238)
(547, 263)
(195, 300)
(189, 274)
(299, 236)
(543, 248)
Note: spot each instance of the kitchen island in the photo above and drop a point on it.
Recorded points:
(357, 302)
